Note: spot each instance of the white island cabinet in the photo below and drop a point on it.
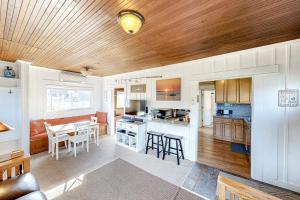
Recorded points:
(131, 134)
(179, 129)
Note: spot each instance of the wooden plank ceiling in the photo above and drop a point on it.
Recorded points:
(69, 34)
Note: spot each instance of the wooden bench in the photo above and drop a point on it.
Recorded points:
(14, 164)
(230, 189)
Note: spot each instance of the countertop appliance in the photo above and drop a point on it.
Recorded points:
(164, 113)
(224, 112)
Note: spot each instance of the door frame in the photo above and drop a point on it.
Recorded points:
(199, 104)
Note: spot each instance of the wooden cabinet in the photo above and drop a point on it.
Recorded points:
(220, 91)
(237, 135)
(233, 91)
(245, 90)
(227, 129)
(218, 129)
(230, 130)
(247, 133)
(222, 129)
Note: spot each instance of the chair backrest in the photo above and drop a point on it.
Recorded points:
(94, 119)
(49, 133)
(82, 128)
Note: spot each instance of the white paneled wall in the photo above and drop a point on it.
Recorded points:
(276, 131)
(39, 78)
(12, 93)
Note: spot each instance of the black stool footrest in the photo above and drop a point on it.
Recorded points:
(155, 145)
(167, 148)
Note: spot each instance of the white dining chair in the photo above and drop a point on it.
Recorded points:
(81, 135)
(93, 131)
(54, 140)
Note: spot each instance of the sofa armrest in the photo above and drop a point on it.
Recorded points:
(33, 196)
(18, 187)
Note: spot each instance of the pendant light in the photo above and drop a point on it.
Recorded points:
(131, 21)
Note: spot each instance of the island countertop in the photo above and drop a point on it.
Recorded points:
(169, 121)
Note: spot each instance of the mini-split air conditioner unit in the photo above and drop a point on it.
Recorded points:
(72, 77)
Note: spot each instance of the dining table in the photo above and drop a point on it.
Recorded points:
(71, 128)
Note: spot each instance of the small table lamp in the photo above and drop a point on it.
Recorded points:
(4, 127)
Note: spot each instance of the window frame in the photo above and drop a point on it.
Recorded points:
(67, 87)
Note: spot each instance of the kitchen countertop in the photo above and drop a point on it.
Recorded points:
(131, 122)
(170, 121)
(247, 119)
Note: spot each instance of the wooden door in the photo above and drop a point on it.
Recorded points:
(238, 131)
(220, 91)
(227, 129)
(232, 94)
(218, 129)
(245, 90)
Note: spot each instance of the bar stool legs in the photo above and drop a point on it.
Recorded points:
(148, 143)
(168, 140)
(155, 145)
(181, 149)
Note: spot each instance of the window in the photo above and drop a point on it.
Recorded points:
(59, 99)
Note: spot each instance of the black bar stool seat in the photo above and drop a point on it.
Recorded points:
(168, 141)
(155, 145)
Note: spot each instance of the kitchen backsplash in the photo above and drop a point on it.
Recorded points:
(237, 109)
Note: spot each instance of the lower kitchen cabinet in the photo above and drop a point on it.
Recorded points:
(237, 135)
(227, 124)
(230, 130)
(218, 129)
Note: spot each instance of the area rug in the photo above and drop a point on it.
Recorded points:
(238, 148)
(120, 180)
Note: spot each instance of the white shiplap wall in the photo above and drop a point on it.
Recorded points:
(39, 78)
(275, 131)
(12, 93)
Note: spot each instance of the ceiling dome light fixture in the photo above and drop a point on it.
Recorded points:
(131, 21)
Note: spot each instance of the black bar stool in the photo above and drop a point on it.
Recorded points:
(159, 142)
(168, 140)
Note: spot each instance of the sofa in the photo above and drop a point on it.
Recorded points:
(22, 187)
(38, 134)
(21, 184)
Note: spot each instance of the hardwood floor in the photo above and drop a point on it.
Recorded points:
(217, 153)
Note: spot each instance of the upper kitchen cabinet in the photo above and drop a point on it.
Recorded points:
(220, 91)
(245, 90)
(233, 91)
(232, 94)
(138, 88)
(137, 92)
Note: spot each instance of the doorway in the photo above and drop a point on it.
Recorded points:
(119, 104)
(208, 107)
(213, 150)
